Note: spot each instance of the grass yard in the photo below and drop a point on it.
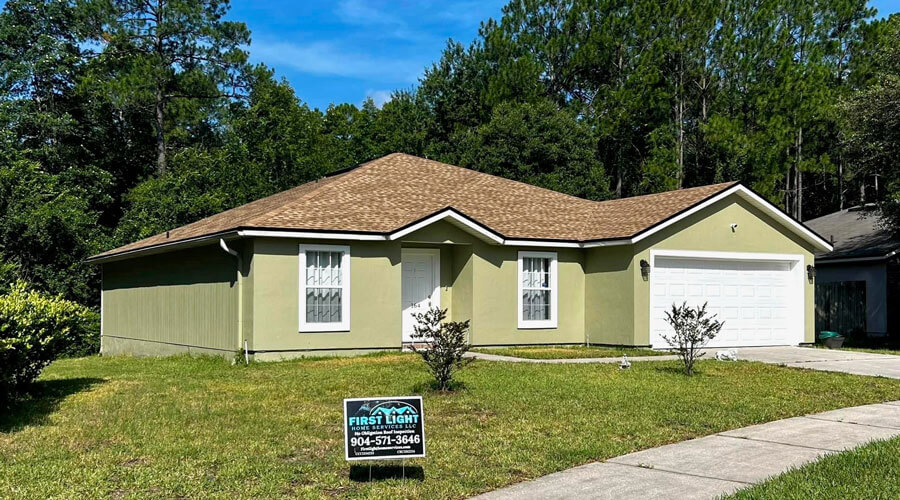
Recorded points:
(200, 428)
(870, 472)
(569, 352)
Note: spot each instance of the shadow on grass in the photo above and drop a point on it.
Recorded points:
(366, 473)
(432, 387)
(42, 399)
(678, 370)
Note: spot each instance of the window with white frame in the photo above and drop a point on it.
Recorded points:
(537, 290)
(324, 288)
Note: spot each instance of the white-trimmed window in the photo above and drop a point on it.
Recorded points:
(537, 290)
(324, 288)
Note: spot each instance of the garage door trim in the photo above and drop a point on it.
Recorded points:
(797, 292)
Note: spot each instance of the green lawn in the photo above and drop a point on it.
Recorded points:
(569, 352)
(200, 428)
(869, 472)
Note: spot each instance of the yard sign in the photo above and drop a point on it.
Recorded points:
(384, 428)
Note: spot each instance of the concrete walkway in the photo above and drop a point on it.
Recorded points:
(715, 465)
(857, 363)
(512, 359)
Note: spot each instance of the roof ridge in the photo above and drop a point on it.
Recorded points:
(486, 176)
(724, 185)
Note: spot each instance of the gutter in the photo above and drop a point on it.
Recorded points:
(824, 261)
(240, 285)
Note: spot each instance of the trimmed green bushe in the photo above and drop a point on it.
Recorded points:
(35, 329)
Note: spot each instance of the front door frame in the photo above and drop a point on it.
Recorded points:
(435, 253)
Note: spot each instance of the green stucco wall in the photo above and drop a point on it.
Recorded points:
(188, 300)
(483, 278)
(184, 301)
(609, 295)
(495, 298)
(623, 318)
(478, 283)
(374, 300)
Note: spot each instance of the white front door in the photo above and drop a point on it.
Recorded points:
(761, 301)
(420, 286)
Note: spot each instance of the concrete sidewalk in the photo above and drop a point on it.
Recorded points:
(715, 465)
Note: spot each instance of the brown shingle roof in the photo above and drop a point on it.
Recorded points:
(389, 193)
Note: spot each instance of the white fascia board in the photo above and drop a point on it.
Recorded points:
(543, 243)
(164, 247)
(758, 202)
(259, 233)
(607, 243)
(454, 217)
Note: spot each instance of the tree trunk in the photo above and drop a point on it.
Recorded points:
(679, 115)
(160, 133)
(160, 99)
(798, 184)
(841, 183)
(619, 175)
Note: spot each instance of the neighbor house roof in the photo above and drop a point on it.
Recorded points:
(398, 193)
(856, 234)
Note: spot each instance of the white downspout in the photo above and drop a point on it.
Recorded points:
(240, 285)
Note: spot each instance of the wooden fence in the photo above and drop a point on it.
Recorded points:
(841, 307)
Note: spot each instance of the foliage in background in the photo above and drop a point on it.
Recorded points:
(692, 330)
(441, 344)
(35, 329)
(122, 119)
(872, 116)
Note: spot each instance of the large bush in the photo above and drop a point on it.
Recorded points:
(35, 329)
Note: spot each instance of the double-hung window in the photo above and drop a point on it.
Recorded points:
(537, 290)
(324, 288)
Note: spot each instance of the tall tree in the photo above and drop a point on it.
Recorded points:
(159, 53)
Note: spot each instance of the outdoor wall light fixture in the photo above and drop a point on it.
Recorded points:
(645, 269)
(811, 272)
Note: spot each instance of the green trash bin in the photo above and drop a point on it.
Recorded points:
(832, 340)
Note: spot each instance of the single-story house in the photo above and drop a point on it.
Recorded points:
(340, 265)
(858, 282)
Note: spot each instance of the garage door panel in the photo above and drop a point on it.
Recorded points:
(752, 297)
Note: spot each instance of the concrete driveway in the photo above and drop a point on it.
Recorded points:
(858, 363)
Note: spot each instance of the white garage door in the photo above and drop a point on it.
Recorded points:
(760, 301)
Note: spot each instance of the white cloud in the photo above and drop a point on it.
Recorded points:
(379, 96)
(363, 14)
(326, 58)
(379, 22)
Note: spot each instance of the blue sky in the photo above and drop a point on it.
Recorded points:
(345, 50)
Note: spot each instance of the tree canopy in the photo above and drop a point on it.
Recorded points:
(120, 119)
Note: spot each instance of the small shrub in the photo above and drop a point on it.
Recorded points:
(35, 329)
(441, 344)
(693, 330)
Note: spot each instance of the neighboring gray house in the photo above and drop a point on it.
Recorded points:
(857, 283)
